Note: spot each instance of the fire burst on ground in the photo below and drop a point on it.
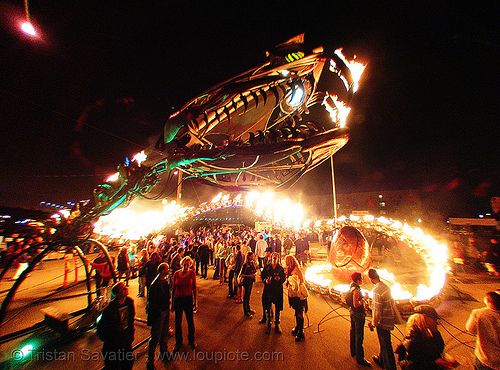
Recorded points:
(413, 264)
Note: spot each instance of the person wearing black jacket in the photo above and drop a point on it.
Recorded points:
(116, 330)
(273, 276)
(158, 310)
(204, 254)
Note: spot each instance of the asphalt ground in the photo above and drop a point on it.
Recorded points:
(227, 339)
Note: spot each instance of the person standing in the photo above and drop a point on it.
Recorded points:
(238, 264)
(248, 271)
(116, 329)
(355, 301)
(142, 271)
(485, 324)
(230, 265)
(252, 242)
(277, 244)
(204, 254)
(151, 269)
(260, 250)
(175, 264)
(103, 274)
(222, 253)
(158, 310)
(492, 261)
(273, 277)
(287, 244)
(123, 264)
(383, 320)
(184, 293)
(297, 297)
(267, 261)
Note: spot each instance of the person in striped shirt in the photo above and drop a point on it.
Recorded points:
(383, 320)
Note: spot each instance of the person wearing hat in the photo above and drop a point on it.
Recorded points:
(423, 343)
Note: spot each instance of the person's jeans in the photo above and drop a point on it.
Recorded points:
(231, 283)
(159, 334)
(142, 285)
(204, 269)
(386, 351)
(357, 334)
(184, 304)
(269, 315)
(246, 296)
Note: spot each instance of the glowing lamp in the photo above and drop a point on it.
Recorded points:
(140, 157)
(113, 177)
(27, 28)
(26, 350)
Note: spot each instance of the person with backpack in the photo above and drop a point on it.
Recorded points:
(355, 300)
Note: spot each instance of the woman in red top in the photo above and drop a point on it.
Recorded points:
(184, 295)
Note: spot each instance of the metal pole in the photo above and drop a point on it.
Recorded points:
(334, 193)
(179, 186)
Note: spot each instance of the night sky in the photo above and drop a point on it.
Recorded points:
(104, 76)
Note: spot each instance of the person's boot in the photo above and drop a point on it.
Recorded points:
(300, 336)
(266, 318)
(295, 330)
(277, 327)
(300, 327)
(268, 329)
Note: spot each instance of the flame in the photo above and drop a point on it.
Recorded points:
(217, 198)
(113, 177)
(355, 68)
(434, 254)
(134, 222)
(140, 157)
(338, 112)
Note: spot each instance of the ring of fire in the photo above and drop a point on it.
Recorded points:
(433, 254)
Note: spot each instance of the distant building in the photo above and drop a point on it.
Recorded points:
(402, 203)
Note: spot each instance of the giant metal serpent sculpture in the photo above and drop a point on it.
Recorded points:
(265, 127)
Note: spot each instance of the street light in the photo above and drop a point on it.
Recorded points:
(26, 26)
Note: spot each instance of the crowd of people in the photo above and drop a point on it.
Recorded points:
(168, 269)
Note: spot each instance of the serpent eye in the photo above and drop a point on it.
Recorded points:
(296, 97)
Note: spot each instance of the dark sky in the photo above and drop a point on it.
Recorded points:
(105, 76)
